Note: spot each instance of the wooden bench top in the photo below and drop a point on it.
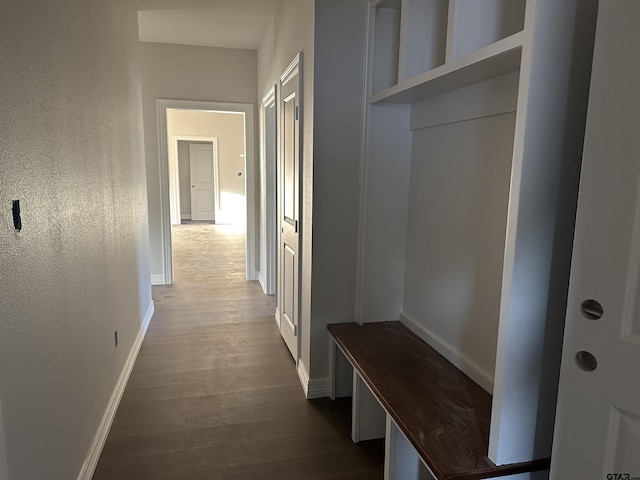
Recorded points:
(443, 413)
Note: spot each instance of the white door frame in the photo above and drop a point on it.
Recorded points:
(162, 105)
(268, 215)
(174, 171)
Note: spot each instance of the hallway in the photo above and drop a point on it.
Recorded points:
(214, 393)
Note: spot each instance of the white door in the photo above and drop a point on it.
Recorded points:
(597, 434)
(289, 193)
(203, 180)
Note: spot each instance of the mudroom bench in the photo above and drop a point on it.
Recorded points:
(435, 419)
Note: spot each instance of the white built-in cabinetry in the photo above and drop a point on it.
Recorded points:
(474, 128)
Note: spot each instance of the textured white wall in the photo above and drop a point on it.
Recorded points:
(4, 472)
(71, 151)
(292, 32)
(187, 73)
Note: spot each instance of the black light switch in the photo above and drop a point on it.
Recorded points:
(17, 221)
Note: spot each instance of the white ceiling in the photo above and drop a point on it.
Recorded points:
(214, 23)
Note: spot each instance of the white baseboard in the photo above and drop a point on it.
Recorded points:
(318, 388)
(185, 216)
(157, 279)
(95, 450)
(263, 282)
(304, 377)
(253, 275)
(468, 367)
(314, 387)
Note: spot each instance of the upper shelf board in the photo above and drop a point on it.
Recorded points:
(491, 61)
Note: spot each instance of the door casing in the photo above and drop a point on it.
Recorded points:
(268, 213)
(162, 105)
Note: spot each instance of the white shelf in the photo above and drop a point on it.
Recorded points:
(492, 61)
(461, 154)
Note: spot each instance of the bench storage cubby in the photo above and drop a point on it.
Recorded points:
(435, 419)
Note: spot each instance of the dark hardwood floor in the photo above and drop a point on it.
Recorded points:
(214, 393)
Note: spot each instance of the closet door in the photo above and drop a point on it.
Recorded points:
(289, 194)
(597, 432)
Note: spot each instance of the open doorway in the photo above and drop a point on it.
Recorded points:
(206, 166)
(195, 188)
(194, 122)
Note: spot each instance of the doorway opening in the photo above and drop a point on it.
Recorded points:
(230, 178)
(194, 190)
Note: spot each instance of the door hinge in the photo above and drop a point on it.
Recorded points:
(296, 226)
(297, 112)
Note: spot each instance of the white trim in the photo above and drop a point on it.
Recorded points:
(268, 214)
(314, 387)
(165, 208)
(303, 375)
(467, 366)
(269, 98)
(291, 326)
(318, 388)
(157, 279)
(278, 317)
(185, 216)
(95, 450)
(292, 70)
(244, 108)
(364, 172)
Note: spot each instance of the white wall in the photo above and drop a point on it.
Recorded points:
(457, 213)
(292, 32)
(4, 469)
(185, 177)
(331, 35)
(338, 118)
(436, 209)
(229, 129)
(187, 73)
(71, 151)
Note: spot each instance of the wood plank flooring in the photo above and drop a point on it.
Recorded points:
(214, 393)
